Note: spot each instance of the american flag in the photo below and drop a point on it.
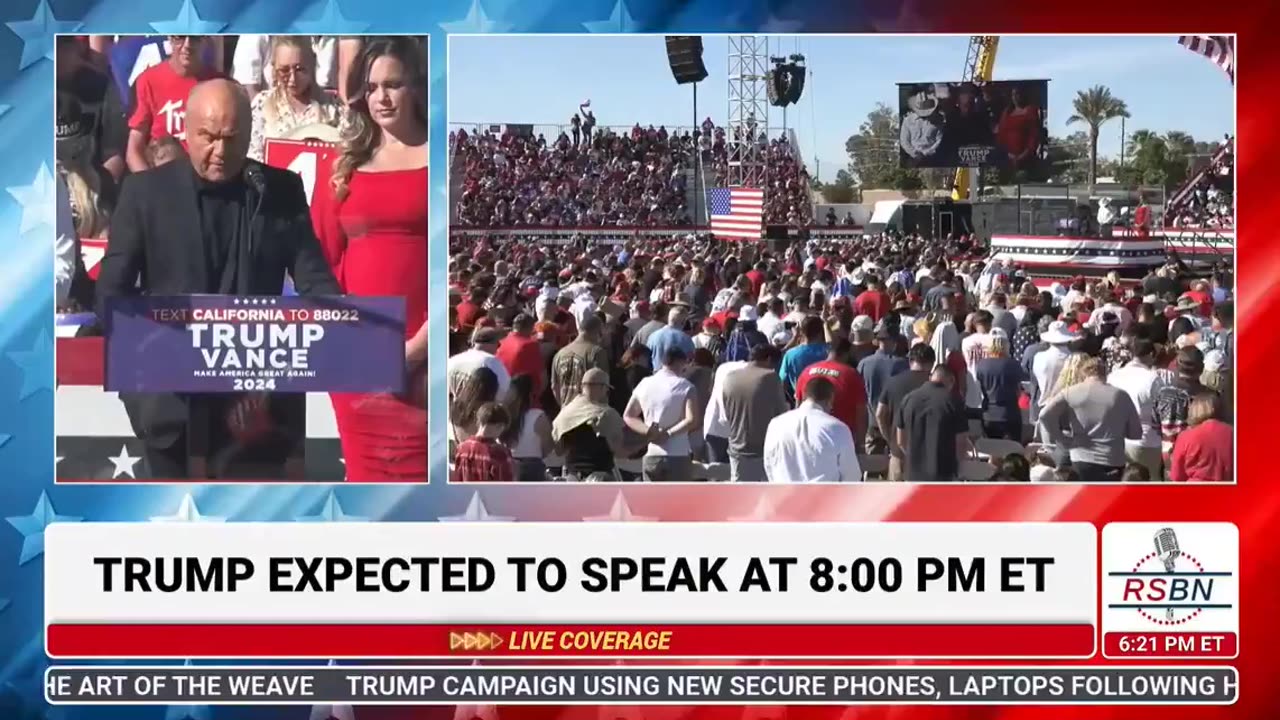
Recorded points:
(1221, 49)
(736, 212)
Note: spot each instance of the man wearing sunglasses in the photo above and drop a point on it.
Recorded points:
(162, 90)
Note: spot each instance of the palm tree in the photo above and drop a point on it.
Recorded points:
(1139, 139)
(1095, 107)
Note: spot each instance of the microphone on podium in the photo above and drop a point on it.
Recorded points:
(256, 179)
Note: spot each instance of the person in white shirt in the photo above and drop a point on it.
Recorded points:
(1109, 305)
(772, 320)
(484, 343)
(974, 350)
(1142, 382)
(809, 444)
(1048, 364)
(663, 408)
(715, 426)
(799, 310)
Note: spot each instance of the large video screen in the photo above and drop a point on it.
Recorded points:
(966, 124)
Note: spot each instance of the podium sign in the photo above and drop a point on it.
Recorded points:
(221, 343)
(305, 157)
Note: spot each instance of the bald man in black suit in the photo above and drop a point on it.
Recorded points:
(215, 223)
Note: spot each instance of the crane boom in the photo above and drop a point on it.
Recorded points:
(980, 63)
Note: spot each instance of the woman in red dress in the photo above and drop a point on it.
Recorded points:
(371, 218)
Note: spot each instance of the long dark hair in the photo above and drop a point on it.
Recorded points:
(518, 403)
(363, 134)
(480, 387)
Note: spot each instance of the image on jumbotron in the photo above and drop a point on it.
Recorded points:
(789, 258)
(241, 262)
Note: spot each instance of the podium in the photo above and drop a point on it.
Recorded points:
(237, 368)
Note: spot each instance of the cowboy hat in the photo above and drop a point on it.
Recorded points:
(1059, 334)
(923, 103)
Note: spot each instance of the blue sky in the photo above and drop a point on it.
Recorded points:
(541, 80)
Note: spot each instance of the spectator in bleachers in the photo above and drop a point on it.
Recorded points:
(90, 187)
(87, 98)
(161, 96)
(295, 99)
(254, 61)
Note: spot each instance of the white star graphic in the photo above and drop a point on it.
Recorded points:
(336, 712)
(37, 200)
(188, 513)
(331, 511)
(619, 512)
(619, 21)
(476, 21)
(37, 34)
(5, 438)
(32, 527)
(763, 511)
(188, 22)
(330, 22)
(33, 364)
(476, 512)
(124, 463)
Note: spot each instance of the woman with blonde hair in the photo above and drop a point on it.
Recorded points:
(295, 99)
(370, 214)
(1074, 372)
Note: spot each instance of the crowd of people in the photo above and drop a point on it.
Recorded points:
(890, 357)
(596, 177)
(592, 179)
(1210, 201)
(180, 150)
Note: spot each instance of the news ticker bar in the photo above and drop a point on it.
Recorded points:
(815, 641)
(703, 685)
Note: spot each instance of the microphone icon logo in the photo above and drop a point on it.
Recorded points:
(1167, 552)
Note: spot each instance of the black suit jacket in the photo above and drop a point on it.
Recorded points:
(156, 234)
(156, 237)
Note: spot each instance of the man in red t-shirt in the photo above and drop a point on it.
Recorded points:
(162, 90)
(757, 277)
(470, 311)
(521, 354)
(850, 404)
(874, 301)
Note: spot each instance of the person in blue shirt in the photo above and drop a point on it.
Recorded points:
(878, 367)
(813, 350)
(672, 335)
(745, 338)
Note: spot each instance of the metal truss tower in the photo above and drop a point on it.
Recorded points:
(748, 109)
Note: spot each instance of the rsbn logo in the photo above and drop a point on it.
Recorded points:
(1182, 590)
